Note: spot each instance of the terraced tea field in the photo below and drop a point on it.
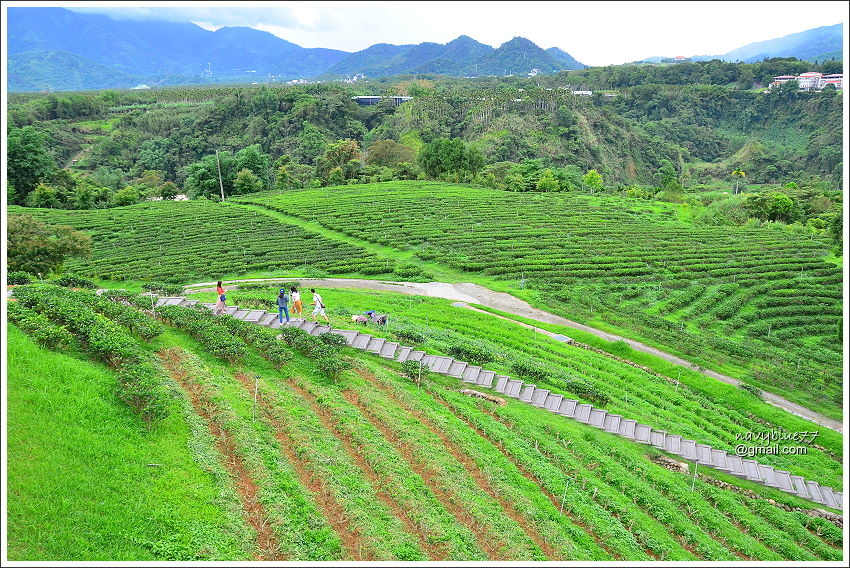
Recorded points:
(757, 303)
(198, 240)
(366, 466)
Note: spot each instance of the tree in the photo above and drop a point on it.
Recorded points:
(202, 177)
(339, 154)
(168, 190)
(547, 182)
(389, 153)
(450, 156)
(38, 248)
(738, 174)
(593, 180)
(27, 160)
(246, 182)
(667, 177)
(311, 143)
(127, 196)
(253, 158)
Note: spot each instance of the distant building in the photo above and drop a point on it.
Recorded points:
(141, 87)
(811, 81)
(369, 100)
(582, 93)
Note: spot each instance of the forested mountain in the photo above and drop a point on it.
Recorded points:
(816, 44)
(154, 52)
(168, 53)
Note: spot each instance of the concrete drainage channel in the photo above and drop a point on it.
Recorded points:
(690, 450)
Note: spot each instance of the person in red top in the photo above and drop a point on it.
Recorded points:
(220, 305)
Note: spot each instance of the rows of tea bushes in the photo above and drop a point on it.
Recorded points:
(715, 417)
(699, 291)
(109, 331)
(200, 240)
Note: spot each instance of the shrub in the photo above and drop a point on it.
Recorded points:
(412, 271)
(42, 330)
(19, 277)
(332, 366)
(74, 281)
(140, 387)
(410, 333)
(333, 340)
(529, 369)
(583, 388)
(475, 352)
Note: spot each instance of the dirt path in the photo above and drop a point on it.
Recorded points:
(474, 294)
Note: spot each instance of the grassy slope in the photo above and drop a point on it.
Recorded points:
(79, 484)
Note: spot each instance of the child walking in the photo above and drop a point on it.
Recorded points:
(319, 308)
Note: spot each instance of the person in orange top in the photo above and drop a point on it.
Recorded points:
(220, 304)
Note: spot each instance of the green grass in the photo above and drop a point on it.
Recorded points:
(80, 487)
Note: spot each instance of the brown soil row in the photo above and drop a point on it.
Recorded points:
(324, 499)
(474, 471)
(379, 484)
(268, 547)
(490, 542)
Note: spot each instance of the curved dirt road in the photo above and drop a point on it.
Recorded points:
(474, 294)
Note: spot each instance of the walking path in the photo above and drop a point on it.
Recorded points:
(469, 293)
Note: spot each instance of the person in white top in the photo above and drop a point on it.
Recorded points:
(297, 306)
(319, 307)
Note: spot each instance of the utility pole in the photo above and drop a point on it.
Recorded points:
(220, 182)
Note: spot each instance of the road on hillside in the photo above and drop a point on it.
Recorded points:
(474, 294)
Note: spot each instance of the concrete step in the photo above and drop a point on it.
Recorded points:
(583, 412)
(403, 353)
(361, 341)
(768, 475)
(485, 379)
(657, 437)
(513, 388)
(240, 314)
(627, 428)
(597, 417)
(527, 392)
(470, 373)
(348, 334)
(389, 349)
(673, 444)
(457, 368)
(539, 397)
(440, 364)
(553, 402)
(751, 470)
(828, 496)
(689, 449)
(208, 305)
(375, 344)
(642, 433)
(230, 310)
(501, 383)
(275, 324)
(704, 454)
(320, 329)
(736, 466)
(719, 460)
(267, 319)
(308, 326)
(783, 480)
(416, 355)
(568, 407)
(254, 316)
(800, 487)
(612, 423)
(814, 492)
(189, 303)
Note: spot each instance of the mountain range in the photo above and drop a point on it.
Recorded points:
(816, 44)
(58, 49)
(54, 49)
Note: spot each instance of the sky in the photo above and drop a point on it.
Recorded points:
(595, 33)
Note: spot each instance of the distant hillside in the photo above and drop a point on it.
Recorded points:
(817, 44)
(160, 53)
(153, 51)
(462, 56)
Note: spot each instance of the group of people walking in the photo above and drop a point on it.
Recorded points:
(284, 297)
